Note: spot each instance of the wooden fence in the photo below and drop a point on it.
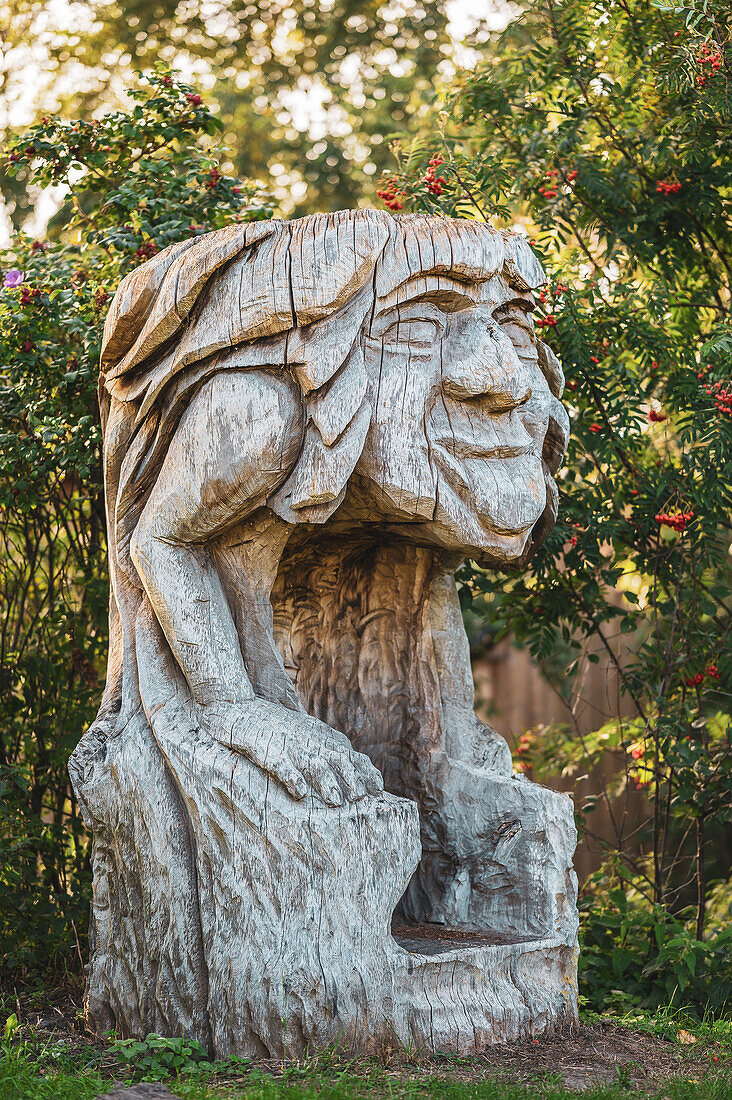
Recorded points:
(513, 696)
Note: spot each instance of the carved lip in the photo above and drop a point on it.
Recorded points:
(471, 448)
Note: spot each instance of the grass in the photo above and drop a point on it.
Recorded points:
(59, 1070)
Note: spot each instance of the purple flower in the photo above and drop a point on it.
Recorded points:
(14, 277)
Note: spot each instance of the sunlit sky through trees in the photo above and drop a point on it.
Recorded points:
(43, 69)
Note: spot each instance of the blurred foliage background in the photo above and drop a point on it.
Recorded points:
(601, 129)
(309, 92)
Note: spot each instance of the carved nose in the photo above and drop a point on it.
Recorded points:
(495, 375)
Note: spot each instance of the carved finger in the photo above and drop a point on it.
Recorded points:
(272, 759)
(324, 783)
(291, 779)
(370, 774)
(352, 783)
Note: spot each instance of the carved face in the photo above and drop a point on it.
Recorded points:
(461, 411)
(411, 344)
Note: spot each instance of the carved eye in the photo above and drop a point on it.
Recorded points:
(417, 331)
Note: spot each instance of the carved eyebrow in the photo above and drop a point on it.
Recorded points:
(525, 304)
(447, 292)
(443, 299)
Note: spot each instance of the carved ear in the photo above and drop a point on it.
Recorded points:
(555, 445)
(546, 521)
(551, 368)
(557, 436)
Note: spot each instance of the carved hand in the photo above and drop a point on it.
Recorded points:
(300, 752)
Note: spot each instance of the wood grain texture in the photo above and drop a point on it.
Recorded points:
(307, 426)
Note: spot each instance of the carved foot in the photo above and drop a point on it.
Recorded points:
(300, 752)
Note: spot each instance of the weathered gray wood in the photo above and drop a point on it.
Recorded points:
(308, 426)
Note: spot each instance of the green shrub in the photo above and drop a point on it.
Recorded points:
(154, 1058)
(635, 955)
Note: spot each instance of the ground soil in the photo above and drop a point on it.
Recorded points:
(590, 1055)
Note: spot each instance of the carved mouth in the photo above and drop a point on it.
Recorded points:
(471, 448)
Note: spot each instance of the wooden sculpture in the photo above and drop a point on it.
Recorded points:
(302, 832)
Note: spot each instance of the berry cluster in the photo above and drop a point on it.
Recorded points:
(546, 322)
(678, 520)
(656, 416)
(637, 752)
(722, 394)
(668, 187)
(146, 250)
(391, 195)
(194, 99)
(595, 428)
(434, 183)
(28, 293)
(711, 671)
(709, 55)
(549, 190)
(213, 178)
(545, 292)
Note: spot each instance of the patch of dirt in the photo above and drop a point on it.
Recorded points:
(599, 1054)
